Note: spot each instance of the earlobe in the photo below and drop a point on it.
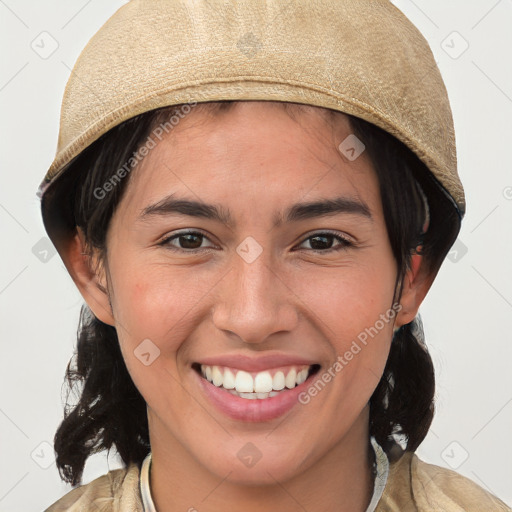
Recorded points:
(417, 282)
(88, 275)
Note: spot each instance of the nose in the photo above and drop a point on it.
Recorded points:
(255, 301)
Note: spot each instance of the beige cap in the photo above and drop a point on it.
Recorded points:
(361, 57)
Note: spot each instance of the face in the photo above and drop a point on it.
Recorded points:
(223, 265)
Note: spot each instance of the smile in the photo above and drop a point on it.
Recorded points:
(256, 385)
(253, 396)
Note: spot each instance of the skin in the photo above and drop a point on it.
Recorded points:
(254, 160)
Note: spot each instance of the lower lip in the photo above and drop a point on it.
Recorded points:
(255, 410)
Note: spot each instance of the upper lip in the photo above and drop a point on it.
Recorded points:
(256, 364)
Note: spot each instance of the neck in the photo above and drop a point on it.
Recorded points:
(340, 480)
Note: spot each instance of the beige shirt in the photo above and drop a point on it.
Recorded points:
(412, 485)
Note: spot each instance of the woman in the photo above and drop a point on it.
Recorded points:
(253, 200)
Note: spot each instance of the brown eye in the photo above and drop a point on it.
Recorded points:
(186, 241)
(323, 242)
(190, 241)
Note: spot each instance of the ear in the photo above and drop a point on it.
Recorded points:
(88, 274)
(416, 283)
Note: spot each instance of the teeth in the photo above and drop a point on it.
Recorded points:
(217, 376)
(229, 379)
(263, 382)
(302, 376)
(252, 396)
(278, 381)
(260, 385)
(244, 382)
(291, 378)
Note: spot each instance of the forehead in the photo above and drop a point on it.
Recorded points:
(252, 149)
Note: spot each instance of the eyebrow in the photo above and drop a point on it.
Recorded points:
(171, 205)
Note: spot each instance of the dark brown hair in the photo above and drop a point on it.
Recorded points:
(111, 412)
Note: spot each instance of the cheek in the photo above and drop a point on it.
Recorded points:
(353, 309)
(346, 301)
(152, 302)
(155, 313)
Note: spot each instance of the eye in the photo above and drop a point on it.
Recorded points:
(190, 241)
(186, 241)
(323, 242)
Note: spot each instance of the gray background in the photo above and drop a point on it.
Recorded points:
(467, 314)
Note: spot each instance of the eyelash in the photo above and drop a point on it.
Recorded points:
(345, 243)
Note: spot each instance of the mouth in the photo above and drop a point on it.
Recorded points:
(262, 385)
